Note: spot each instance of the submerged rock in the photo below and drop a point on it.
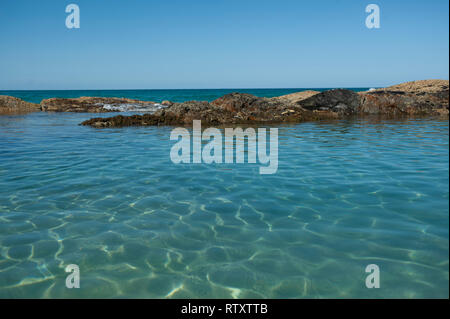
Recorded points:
(92, 104)
(13, 105)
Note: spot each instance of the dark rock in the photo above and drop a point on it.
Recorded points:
(340, 101)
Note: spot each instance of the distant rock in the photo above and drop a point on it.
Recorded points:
(90, 104)
(13, 105)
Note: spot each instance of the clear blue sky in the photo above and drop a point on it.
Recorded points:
(220, 44)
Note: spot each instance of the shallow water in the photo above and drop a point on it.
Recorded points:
(347, 194)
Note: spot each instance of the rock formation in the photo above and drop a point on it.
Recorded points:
(90, 104)
(233, 108)
(344, 102)
(410, 98)
(429, 97)
(13, 105)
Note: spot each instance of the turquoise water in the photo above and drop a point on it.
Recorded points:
(347, 194)
(154, 95)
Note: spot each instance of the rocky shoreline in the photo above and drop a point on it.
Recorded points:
(90, 104)
(85, 104)
(418, 98)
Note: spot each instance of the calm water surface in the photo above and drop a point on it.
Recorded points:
(346, 194)
(158, 96)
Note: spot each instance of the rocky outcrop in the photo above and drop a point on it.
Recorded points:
(248, 107)
(233, 108)
(418, 98)
(90, 104)
(13, 105)
(426, 97)
(344, 102)
(418, 87)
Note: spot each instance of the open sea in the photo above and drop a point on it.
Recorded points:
(346, 194)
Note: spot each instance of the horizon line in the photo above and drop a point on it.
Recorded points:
(231, 88)
(242, 88)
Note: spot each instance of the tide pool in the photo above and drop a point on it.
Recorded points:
(346, 194)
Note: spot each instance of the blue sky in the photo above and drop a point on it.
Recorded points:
(137, 44)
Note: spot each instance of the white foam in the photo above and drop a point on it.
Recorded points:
(132, 107)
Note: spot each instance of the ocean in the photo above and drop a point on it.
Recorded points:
(157, 96)
(347, 194)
